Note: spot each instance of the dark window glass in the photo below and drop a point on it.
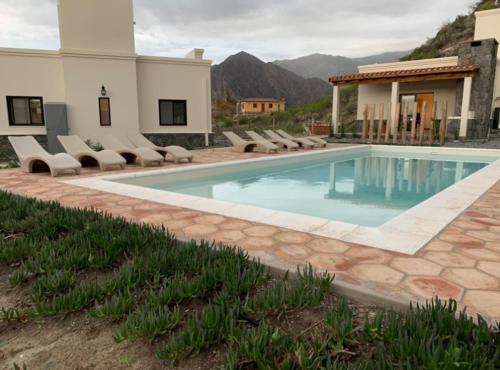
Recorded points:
(104, 112)
(270, 105)
(25, 110)
(255, 105)
(173, 112)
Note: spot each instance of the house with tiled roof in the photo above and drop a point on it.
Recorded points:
(465, 87)
(261, 105)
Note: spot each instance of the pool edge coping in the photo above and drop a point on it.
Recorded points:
(402, 234)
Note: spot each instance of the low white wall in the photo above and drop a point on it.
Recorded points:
(172, 78)
(28, 73)
(444, 90)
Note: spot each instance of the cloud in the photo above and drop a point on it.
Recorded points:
(269, 29)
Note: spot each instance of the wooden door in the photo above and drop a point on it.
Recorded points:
(429, 107)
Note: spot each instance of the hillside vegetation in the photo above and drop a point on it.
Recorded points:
(451, 35)
(292, 120)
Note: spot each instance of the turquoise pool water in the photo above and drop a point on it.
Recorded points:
(366, 190)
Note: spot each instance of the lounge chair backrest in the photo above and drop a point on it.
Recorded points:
(73, 144)
(235, 139)
(255, 136)
(273, 135)
(26, 146)
(285, 134)
(111, 142)
(140, 141)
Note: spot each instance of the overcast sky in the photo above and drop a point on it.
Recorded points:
(270, 29)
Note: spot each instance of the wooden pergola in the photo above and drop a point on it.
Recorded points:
(409, 75)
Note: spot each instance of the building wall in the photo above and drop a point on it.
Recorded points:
(487, 26)
(28, 73)
(83, 78)
(444, 90)
(269, 107)
(96, 25)
(172, 78)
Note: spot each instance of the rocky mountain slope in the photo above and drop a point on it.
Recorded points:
(243, 75)
(323, 66)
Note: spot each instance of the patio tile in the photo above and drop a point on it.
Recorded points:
(486, 302)
(461, 240)
(438, 245)
(415, 266)
(492, 268)
(186, 214)
(470, 278)
(257, 242)
(233, 225)
(210, 219)
(292, 251)
(200, 230)
(485, 235)
(227, 236)
(449, 259)
(430, 287)
(330, 262)
(177, 225)
(292, 237)
(470, 225)
(368, 255)
(487, 221)
(376, 273)
(493, 246)
(481, 254)
(261, 231)
(328, 246)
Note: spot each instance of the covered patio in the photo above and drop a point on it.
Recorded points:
(450, 85)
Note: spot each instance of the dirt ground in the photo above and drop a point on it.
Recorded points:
(79, 342)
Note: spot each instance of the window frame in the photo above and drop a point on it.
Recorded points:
(185, 123)
(10, 110)
(100, 111)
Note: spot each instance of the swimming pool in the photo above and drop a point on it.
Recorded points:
(394, 198)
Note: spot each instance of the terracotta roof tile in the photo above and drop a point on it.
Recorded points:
(403, 73)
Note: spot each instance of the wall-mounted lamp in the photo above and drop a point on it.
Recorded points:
(103, 90)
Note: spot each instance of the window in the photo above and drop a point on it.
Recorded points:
(270, 105)
(173, 113)
(255, 105)
(104, 112)
(25, 110)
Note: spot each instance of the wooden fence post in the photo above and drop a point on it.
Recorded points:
(443, 124)
(405, 123)
(396, 124)
(380, 123)
(433, 115)
(388, 124)
(365, 122)
(414, 123)
(372, 124)
(422, 124)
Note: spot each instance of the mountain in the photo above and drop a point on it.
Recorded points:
(243, 76)
(451, 35)
(323, 66)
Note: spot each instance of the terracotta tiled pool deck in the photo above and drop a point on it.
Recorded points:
(462, 262)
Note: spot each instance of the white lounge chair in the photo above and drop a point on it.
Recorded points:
(77, 148)
(241, 145)
(144, 156)
(316, 140)
(177, 152)
(283, 143)
(304, 143)
(33, 157)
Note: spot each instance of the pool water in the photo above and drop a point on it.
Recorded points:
(367, 190)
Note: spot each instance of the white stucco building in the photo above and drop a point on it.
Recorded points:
(99, 85)
(469, 83)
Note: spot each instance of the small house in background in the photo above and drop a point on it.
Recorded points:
(260, 105)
